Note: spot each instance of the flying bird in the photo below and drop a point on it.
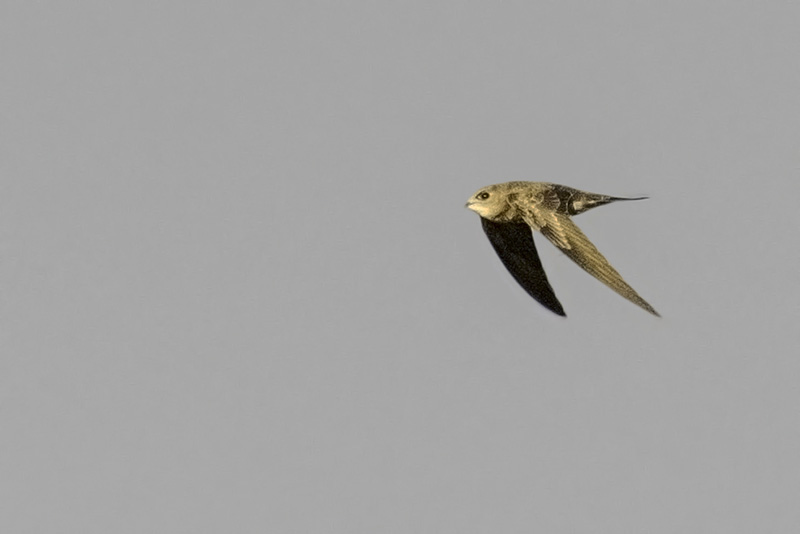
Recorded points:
(511, 211)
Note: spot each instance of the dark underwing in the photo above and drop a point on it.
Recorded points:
(513, 242)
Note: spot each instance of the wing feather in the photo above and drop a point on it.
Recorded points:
(513, 242)
(580, 250)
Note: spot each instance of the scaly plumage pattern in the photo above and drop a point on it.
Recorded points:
(511, 210)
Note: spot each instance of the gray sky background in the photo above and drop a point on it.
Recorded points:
(240, 293)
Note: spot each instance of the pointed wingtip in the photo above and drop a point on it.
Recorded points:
(555, 307)
(646, 307)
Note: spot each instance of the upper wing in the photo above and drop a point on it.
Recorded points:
(564, 234)
(513, 242)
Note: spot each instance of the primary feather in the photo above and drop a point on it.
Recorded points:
(511, 210)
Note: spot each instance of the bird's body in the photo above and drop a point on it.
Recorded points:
(509, 211)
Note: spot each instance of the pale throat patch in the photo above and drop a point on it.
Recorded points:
(481, 210)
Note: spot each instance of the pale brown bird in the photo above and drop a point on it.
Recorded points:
(510, 211)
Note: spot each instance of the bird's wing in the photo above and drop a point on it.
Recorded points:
(564, 234)
(539, 211)
(513, 242)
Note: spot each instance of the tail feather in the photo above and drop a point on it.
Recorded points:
(586, 201)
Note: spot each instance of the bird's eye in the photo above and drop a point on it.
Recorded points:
(483, 196)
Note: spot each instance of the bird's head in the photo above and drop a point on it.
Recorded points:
(488, 202)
